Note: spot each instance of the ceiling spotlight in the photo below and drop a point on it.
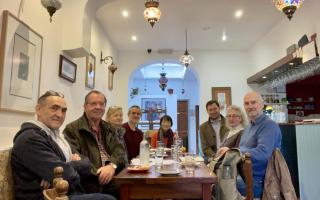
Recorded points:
(125, 13)
(152, 13)
(224, 37)
(238, 14)
(134, 38)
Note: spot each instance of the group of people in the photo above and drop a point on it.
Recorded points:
(90, 150)
(259, 138)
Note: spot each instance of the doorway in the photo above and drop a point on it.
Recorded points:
(182, 120)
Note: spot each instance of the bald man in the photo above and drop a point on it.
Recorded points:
(260, 138)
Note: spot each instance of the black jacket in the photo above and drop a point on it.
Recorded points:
(34, 157)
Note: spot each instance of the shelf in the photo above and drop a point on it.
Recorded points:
(308, 102)
(290, 62)
(274, 104)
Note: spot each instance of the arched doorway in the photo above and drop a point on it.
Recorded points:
(182, 87)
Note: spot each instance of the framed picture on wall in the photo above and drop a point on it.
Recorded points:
(20, 65)
(90, 71)
(153, 108)
(223, 96)
(67, 69)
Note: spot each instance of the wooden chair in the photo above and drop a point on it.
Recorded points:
(248, 176)
(60, 187)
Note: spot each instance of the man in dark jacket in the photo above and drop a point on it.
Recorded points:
(92, 137)
(39, 148)
(213, 131)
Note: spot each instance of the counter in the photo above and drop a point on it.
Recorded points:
(300, 147)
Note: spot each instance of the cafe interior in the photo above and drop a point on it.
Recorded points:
(171, 60)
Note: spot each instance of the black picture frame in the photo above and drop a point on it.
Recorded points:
(67, 69)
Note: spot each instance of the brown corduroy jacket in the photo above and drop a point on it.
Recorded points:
(277, 182)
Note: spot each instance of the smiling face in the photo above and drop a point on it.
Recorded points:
(253, 105)
(94, 107)
(134, 115)
(165, 125)
(116, 118)
(233, 118)
(213, 111)
(52, 112)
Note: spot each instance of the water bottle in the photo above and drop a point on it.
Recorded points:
(144, 151)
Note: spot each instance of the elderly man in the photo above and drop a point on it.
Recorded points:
(259, 139)
(213, 131)
(39, 147)
(96, 139)
(133, 135)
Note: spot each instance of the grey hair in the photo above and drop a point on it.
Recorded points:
(242, 115)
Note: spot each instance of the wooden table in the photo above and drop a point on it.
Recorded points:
(152, 185)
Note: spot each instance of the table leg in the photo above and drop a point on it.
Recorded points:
(206, 191)
(125, 192)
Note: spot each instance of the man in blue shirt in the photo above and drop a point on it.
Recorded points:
(259, 139)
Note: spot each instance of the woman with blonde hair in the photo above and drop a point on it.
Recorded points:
(115, 118)
(236, 121)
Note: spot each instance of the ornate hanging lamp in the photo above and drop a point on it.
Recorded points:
(52, 6)
(152, 13)
(288, 7)
(186, 58)
(163, 79)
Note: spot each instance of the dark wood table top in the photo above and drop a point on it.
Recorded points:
(202, 175)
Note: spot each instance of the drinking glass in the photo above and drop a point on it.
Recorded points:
(190, 163)
(159, 155)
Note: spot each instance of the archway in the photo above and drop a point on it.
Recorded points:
(182, 84)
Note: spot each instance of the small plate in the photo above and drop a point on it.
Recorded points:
(198, 164)
(169, 172)
(138, 169)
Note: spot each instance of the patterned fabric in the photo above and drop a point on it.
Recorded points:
(6, 181)
(103, 153)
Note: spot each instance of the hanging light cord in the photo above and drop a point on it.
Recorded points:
(20, 8)
(186, 39)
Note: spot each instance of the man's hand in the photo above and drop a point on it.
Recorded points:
(105, 174)
(221, 151)
(45, 184)
(75, 157)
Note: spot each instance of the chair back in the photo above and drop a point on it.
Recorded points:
(248, 176)
(60, 187)
(6, 180)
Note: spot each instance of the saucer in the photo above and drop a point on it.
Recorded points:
(169, 172)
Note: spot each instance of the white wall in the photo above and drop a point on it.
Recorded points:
(212, 68)
(38, 19)
(272, 46)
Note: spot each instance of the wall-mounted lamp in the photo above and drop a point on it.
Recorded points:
(111, 69)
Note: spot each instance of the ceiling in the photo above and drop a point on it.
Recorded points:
(206, 20)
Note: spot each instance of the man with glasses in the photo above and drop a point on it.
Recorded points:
(133, 135)
(259, 138)
(213, 131)
(95, 139)
(39, 147)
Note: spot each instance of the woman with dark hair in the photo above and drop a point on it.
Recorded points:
(164, 134)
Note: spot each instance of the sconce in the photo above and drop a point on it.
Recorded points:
(52, 6)
(111, 69)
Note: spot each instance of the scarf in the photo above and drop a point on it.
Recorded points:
(168, 135)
